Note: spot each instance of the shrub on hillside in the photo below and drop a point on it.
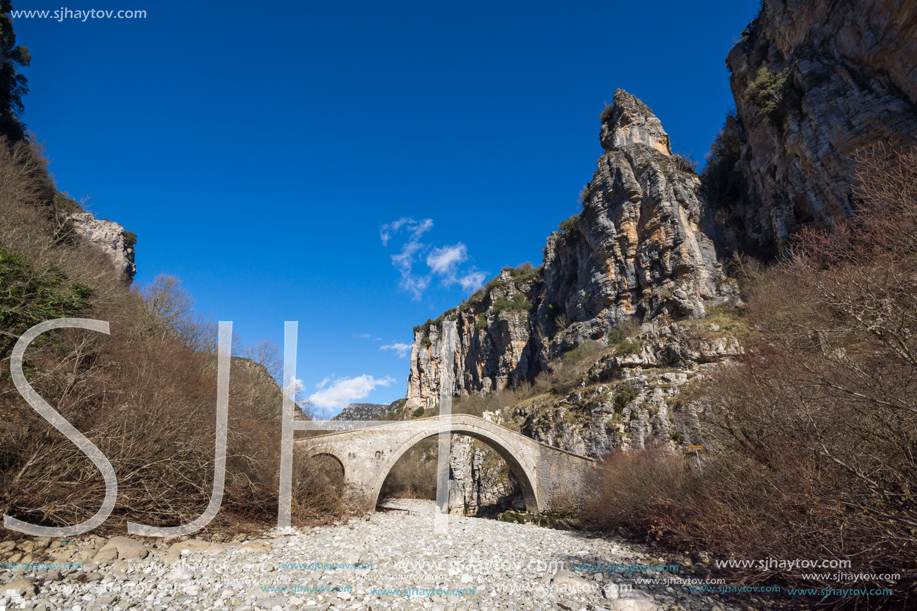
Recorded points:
(569, 228)
(685, 163)
(642, 488)
(564, 374)
(606, 112)
(519, 303)
(31, 296)
(523, 273)
(766, 90)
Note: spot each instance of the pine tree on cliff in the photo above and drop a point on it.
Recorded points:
(13, 86)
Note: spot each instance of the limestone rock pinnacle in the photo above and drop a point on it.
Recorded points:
(631, 121)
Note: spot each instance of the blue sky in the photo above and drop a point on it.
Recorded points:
(355, 166)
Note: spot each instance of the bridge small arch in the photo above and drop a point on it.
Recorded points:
(523, 472)
(338, 456)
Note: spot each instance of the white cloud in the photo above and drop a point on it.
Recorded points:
(417, 228)
(421, 227)
(325, 382)
(444, 263)
(414, 284)
(401, 349)
(364, 335)
(472, 281)
(405, 259)
(386, 231)
(340, 393)
(444, 260)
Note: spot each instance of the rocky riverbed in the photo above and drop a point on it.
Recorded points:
(388, 560)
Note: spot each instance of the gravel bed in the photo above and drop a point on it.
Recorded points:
(387, 560)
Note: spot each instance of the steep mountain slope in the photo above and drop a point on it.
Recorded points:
(813, 81)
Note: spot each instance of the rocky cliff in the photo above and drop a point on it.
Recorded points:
(813, 81)
(639, 250)
(107, 237)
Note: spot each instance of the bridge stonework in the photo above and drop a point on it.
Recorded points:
(551, 479)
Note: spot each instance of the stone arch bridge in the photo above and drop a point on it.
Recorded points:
(551, 479)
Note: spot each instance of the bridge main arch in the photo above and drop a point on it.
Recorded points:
(551, 478)
(524, 472)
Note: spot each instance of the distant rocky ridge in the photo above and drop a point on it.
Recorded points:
(367, 411)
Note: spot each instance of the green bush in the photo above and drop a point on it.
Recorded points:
(627, 347)
(31, 296)
(569, 226)
(606, 112)
(766, 91)
(569, 230)
(628, 329)
(481, 323)
(523, 273)
(417, 413)
(624, 394)
(615, 336)
(65, 204)
(519, 303)
(587, 349)
(477, 297)
(130, 238)
(585, 196)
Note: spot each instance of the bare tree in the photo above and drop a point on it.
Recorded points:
(267, 354)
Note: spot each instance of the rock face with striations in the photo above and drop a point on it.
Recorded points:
(639, 250)
(813, 81)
